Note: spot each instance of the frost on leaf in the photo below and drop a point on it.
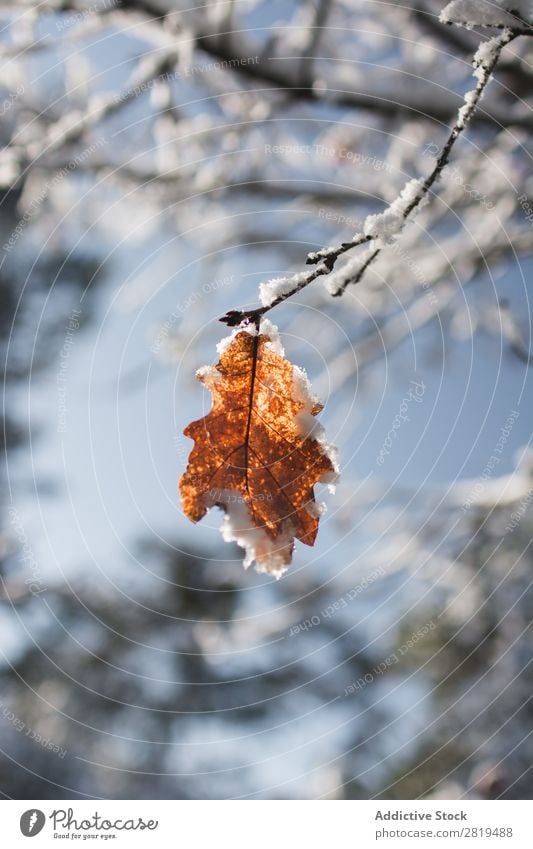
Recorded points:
(255, 453)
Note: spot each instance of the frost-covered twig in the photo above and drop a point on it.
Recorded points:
(384, 228)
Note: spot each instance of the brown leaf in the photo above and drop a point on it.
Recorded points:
(259, 451)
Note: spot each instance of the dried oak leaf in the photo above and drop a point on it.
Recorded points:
(259, 452)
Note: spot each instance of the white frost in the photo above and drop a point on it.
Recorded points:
(484, 57)
(277, 287)
(338, 279)
(225, 343)
(488, 13)
(269, 329)
(270, 556)
(386, 226)
(266, 328)
(466, 110)
(486, 53)
(208, 375)
(308, 426)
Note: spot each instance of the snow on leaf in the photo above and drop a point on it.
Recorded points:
(255, 454)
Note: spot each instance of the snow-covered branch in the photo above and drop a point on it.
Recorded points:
(383, 228)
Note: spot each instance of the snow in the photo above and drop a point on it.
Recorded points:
(337, 280)
(483, 60)
(323, 253)
(274, 343)
(274, 288)
(278, 287)
(272, 556)
(471, 13)
(208, 375)
(486, 53)
(225, 343)
(386, 226)
(266, 329)
(465, 111)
